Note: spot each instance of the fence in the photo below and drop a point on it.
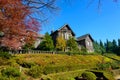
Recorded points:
(34, 52)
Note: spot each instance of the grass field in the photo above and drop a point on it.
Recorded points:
(51, 64)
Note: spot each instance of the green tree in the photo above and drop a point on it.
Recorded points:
(102, 48)
(96, 47)
(28, 46)
(60, 43)
(101, 44)
(47, 43)
(118, 48)
(72, 44)
(114, 47)
(118, 42)
(114, 43)
(108, 46)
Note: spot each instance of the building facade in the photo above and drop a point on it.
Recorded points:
(86, 41)
(66, 32)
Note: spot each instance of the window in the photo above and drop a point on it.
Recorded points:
(66, 36)
(88, 43)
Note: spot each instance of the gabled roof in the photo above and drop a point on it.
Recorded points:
(66, 25)
(84, 37)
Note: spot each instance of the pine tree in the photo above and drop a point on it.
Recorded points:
(101, 44)
(114, 47)
(102, 48)
(109, 46)
(114, 43)
(47, 43)
(96, 47)
(118, 42)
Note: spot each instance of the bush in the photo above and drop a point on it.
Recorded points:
(89, 76)
(10, 72)
(35, 71)
(5, 55)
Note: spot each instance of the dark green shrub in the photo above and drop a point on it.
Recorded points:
(11, 72)
(35, 71)
(89, 75)
(5, 55)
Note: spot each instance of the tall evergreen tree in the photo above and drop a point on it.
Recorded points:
(47, 43)
(114, 43)
(101, 44)
(102, 48)
(109, 46)
(96, 47)
(106, 45)
(114, 46)
(118, 42)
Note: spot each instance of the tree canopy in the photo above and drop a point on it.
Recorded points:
(72, 44)
(47, 43)
(60, 43)
(18, 23)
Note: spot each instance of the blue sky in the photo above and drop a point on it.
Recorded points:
(101, 24)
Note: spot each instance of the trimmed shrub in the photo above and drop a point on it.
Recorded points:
(89, 76)
(35, 71)
(10, 72)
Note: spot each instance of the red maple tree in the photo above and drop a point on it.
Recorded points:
(17, 27)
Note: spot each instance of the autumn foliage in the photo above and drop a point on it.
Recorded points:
(15, 23)
(60, 43)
